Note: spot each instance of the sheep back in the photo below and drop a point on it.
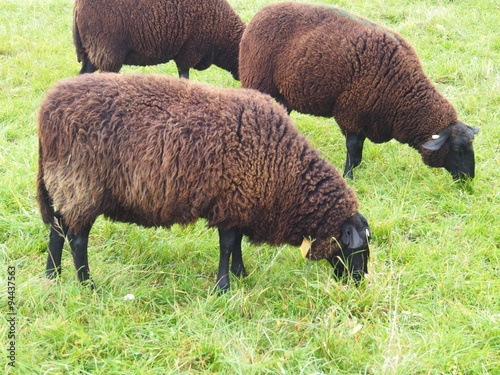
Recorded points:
(157, 151)
(147, 32)
(327, 62)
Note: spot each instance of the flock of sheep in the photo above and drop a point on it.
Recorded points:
(155, 150)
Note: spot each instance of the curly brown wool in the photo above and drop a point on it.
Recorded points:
(156, 151)
(324, 61)
(195, 34)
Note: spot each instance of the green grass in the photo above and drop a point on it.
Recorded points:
(431, 304)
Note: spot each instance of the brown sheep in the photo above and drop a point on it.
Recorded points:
(321, 60)
(155, 151)
(109, 34)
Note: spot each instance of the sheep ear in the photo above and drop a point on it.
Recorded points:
(474, 130)
(436, 142)
(305, 247)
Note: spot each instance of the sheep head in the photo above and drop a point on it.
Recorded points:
(350, 254)
(452, 149)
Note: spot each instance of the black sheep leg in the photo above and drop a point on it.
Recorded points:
(79, 244)
(230, 243)
(56, 244)
(87, 67)
(183, 73)
(354, 143)
(237, 266)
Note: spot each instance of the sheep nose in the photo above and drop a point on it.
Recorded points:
(463, 176)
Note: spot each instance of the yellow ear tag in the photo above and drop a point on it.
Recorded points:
(305, 247)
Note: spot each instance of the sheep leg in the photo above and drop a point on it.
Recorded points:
(354, 143)
(56, 244)
(230, 243)
(87, 67)
(79, 244)
(184, 73)
(237, 266)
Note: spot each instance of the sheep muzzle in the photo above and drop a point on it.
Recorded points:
(354, 249)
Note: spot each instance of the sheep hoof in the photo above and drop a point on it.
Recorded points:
(53, 274)
(348, 174)
(240, 272)
(89, 283)
(222, 288)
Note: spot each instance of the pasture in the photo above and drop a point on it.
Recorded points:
(431, 303)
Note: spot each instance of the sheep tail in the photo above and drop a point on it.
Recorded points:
(42, 195)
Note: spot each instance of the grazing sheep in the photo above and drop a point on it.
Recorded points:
(156, 151)
(324, 61)
(108, 34)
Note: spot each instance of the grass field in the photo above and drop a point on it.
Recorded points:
(431, 304)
